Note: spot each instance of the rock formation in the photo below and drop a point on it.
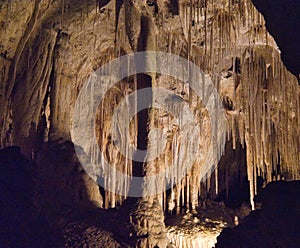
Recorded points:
(49, 49)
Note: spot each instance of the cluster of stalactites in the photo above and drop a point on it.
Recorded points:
(230, 36)
(270, 108)
(109, 141)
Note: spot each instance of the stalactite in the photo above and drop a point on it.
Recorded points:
(256, 106)
(62, 14)
(190, 28)
(205, 30)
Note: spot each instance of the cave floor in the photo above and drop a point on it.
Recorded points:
(202, 226)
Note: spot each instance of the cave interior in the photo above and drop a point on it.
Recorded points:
(247, 52)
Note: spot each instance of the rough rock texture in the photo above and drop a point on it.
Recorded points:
(148, 221)
(201, 228)
(80, 235)
(49, 48)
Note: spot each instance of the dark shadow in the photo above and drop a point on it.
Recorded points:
(102, 3)
(276, 224)
(282, 20)
(21, 223)
(119, 4)
(233, 186)
(143, 81)
(173, 7)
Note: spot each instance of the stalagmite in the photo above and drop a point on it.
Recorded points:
(228, 40)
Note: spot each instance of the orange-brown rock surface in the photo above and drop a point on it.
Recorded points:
(48, 49)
